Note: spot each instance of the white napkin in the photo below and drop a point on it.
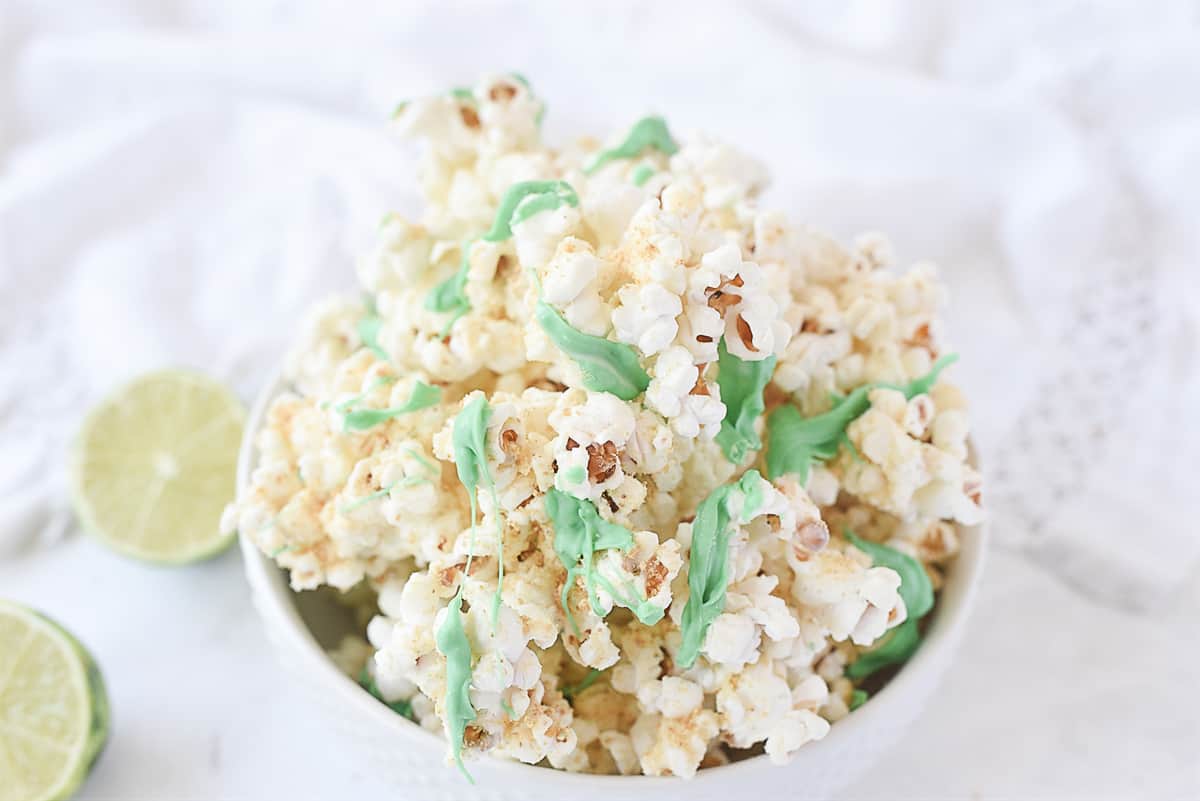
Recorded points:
(179, 179)
(182, 179)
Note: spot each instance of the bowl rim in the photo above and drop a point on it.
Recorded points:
(272, 595)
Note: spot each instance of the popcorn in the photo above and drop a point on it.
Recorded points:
(401, 253)
(590, 438)
(580, 318)
(844, 599)
(673, 746)
(678, 393)
(646, 317)
(757, 705)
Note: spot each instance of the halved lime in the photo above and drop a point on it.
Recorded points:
(53, 708)
(155, 464)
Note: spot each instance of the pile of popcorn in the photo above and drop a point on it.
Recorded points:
(545, 441)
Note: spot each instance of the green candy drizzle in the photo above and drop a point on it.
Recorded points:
(470, 459)
(915, 587)
(522, 201)
(708, 561)
(575, 475)
(378, 382)
(607, 366)
(917, 593)
(579, 532)
(641, 174)
(451, 295)
(742, 384)
(896, 648)
(569, 691)
(403, 482)
(857, 699)
(421, 460)
(368, 332)
(646, 133)
(423, 396)
(431, 471)
(453, 644)
(794, 442)
(526, 199)
(367, 682)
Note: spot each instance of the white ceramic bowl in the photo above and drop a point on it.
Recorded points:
(413, 759)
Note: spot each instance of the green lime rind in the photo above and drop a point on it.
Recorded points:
(90, 687)
(107, 466)
(101, 714)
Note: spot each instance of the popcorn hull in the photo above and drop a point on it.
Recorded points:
(413, 759)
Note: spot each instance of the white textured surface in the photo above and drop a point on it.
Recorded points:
(181, 178)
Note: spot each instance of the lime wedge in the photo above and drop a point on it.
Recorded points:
(155, 464)
(53, 708)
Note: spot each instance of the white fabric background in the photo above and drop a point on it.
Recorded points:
(178, 180)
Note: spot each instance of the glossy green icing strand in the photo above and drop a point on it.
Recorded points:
(469, 440)
(607, 366)
(915, 587)
(368, 332)
(508, 710)
(579, 532)
(857, 699)
(922, 385)
(569, 691)
(896, 647)
(794, 441)
(470, 458)
(646, 133)
(423, 396)
(421, 460)
(916, 590)
(742, 384)
(641, 174)
(451, 295)
(752, 496)
(453, 644)
(525, 199)
(708, 562)
(409, 481)
(522, 201)
(646, 612)
(357, 399)
(367, 682)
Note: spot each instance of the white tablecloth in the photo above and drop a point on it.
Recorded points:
(180, 179)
